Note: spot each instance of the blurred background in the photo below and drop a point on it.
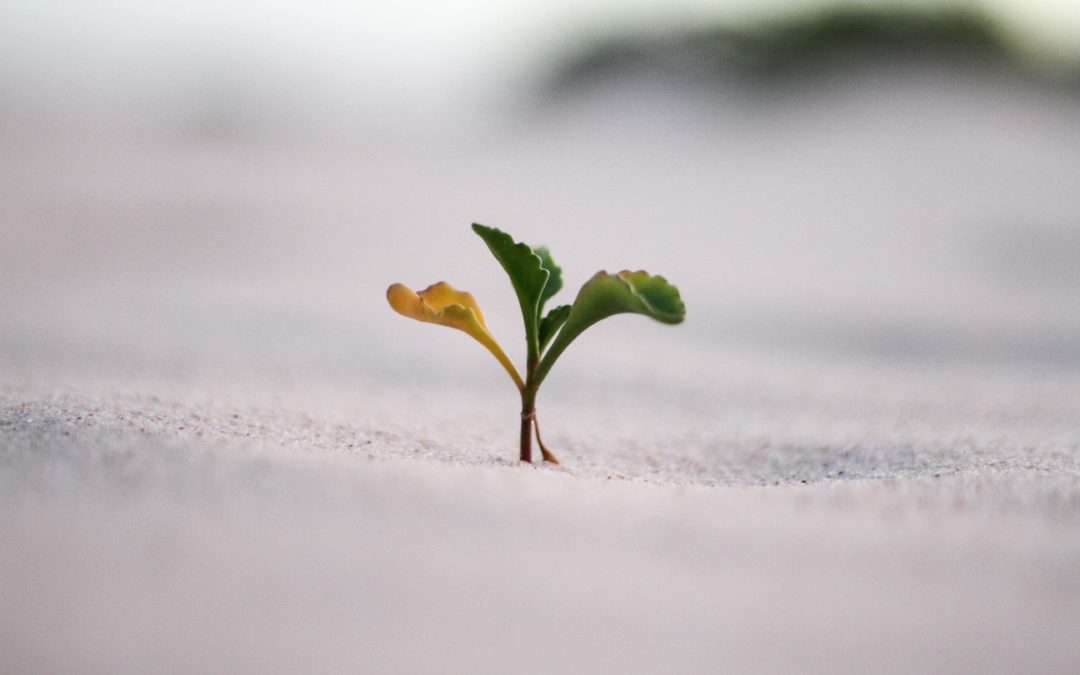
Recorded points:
(221, 191)
(872, 212)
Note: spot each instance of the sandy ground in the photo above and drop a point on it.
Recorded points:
(220, 451)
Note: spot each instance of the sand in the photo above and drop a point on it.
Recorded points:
(220, 451)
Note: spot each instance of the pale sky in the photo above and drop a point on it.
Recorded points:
(416, 52)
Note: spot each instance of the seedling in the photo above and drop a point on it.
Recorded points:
(536, 278)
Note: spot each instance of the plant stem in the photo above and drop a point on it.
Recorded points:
(548, 455)
(528, 410)
(526, 435)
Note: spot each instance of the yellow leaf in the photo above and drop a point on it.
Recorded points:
(443, 304)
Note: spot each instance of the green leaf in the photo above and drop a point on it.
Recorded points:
(551, 323)
(527, 274)
(554, 282)
(608, 294)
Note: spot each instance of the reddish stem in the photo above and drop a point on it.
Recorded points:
(526, 434)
